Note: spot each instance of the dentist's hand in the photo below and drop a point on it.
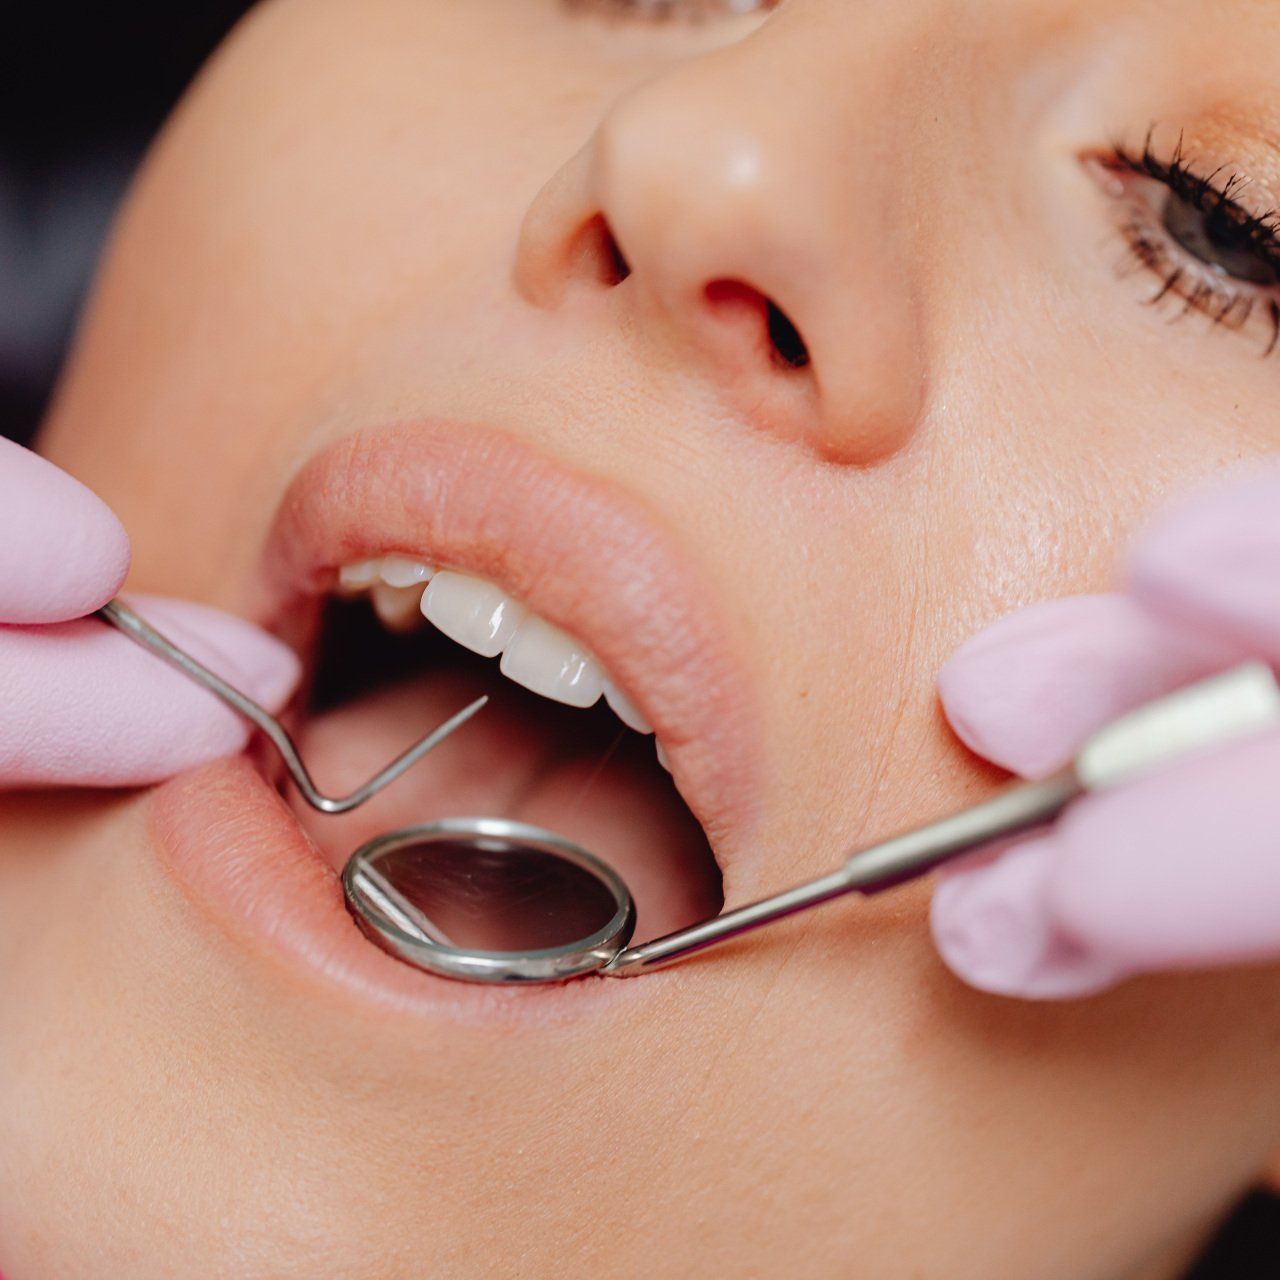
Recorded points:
(80, 703)
(1177, 870)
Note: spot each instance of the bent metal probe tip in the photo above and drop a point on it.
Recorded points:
(119, 615)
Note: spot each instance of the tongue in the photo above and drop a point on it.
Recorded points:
(519, 758)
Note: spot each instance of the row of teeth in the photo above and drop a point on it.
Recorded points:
(484, 619)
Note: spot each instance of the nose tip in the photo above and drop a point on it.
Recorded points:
(718, 237)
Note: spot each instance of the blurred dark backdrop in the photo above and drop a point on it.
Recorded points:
(85, 86)
(94, 82)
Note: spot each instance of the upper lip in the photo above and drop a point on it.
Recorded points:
(578, 549)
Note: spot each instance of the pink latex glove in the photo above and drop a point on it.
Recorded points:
(81, 703)
(1177, 870)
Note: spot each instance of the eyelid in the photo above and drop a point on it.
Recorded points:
(1228, 303)
(1220, 189)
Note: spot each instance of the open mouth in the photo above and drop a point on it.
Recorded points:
(399, 558)
(413, 568)
(404, 643)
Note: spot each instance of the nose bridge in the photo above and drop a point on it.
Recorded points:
(750, 213)
(690, 176)
(743, 151)
(685, 194)
(775, 162)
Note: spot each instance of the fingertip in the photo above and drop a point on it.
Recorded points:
(994, 930)
(1210, 562)
(1025, 692)
(63, 553)
(250, 658)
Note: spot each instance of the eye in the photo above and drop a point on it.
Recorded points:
(1198, 237)
(1221, 236)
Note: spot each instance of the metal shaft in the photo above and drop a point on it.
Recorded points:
(698, 937)
(1220, 708)
(121, 616)
(881, 866)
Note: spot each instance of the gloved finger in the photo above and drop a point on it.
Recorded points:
(62, 551)
(1025, 692)
(1213, 564)
(84, 705)
(1176, 870)
(993, 927)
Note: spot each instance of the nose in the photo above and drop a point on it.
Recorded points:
(731, 232)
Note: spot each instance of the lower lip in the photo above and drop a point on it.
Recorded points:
(238, 853)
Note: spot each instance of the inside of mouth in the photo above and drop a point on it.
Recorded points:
(580, 773)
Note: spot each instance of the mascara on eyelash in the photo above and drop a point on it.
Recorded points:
(1228, 299)
(1210, 193)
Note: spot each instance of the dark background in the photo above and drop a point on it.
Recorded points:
(84, 86)
(92, 82)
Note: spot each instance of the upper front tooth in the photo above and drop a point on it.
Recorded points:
(358, 574)
(471, 611)
(401, 571)
(625, 709)
(543, 658)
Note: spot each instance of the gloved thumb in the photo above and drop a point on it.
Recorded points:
(62, 552)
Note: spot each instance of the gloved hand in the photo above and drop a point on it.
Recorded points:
(80, 703)
(1179, 869)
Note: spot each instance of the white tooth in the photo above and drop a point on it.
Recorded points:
(400, 571)
(471, 611)
(396, 606)
(543, 658)
(662, 756)
(358, 574)
(625, 709)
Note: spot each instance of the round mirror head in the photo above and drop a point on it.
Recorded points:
(489, 900)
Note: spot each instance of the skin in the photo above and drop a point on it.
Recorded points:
(349, 222)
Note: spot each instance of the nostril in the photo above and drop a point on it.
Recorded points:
(788, 345)
(598, 255)
(785, 347)
(621, 268)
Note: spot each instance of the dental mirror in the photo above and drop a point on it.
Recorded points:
(489, 900)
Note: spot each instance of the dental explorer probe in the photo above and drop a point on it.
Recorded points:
(121, 616)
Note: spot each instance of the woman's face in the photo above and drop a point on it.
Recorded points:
(769, 356)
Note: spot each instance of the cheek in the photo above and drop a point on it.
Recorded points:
(1062, 426)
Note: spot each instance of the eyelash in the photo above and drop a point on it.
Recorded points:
(1225, 301)
(672, 10)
